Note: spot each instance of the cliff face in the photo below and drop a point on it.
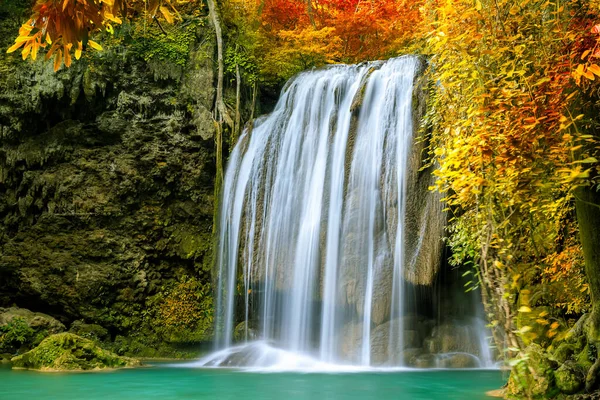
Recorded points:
(106, 185)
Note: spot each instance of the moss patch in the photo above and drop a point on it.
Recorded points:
(69, 352)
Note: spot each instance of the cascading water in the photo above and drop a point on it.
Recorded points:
(317, 242)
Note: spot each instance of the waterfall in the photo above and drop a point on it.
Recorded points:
(315, 241)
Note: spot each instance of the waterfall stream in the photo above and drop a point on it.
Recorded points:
(321, 239)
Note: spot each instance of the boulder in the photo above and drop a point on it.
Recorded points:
(69, 352)
(36, 321)
(21, 329)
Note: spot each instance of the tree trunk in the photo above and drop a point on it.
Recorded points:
(588, 217)
(238, 119)
(220, 110)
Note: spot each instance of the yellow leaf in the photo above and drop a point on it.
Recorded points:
(524, 329)
(65, 3)
(78, 50)
(168, 16)
(48, 38)
(554, 325)
(94, 45)
(478, 5)
(112, 18)
(524, 309)
(15, 47)
(34, 50)
(22, 39)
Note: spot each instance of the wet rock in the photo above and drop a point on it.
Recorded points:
(424, 361)
(409, 356)
(457, 360)
(387, 344)
(350, 339)
(244, 332)
(447, 338)
(570, 378)
(66, 351)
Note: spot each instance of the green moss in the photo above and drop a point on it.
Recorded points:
(66, 351)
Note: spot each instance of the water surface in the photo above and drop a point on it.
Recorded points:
(162, 382)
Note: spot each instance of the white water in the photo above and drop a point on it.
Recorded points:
(304, 233)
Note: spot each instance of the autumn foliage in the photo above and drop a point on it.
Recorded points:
(63, 27)
(509, 134)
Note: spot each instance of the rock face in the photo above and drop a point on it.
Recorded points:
(65, 351)
(106, 175)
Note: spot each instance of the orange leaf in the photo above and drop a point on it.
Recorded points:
(57, 60)
(595, 69)
(67, 56)
(165, 12)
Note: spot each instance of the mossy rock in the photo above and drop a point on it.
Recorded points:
(565, 351)
(533, 376)
(570, 377)
(69, 352)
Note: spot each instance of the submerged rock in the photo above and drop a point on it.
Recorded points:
(69, 352)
